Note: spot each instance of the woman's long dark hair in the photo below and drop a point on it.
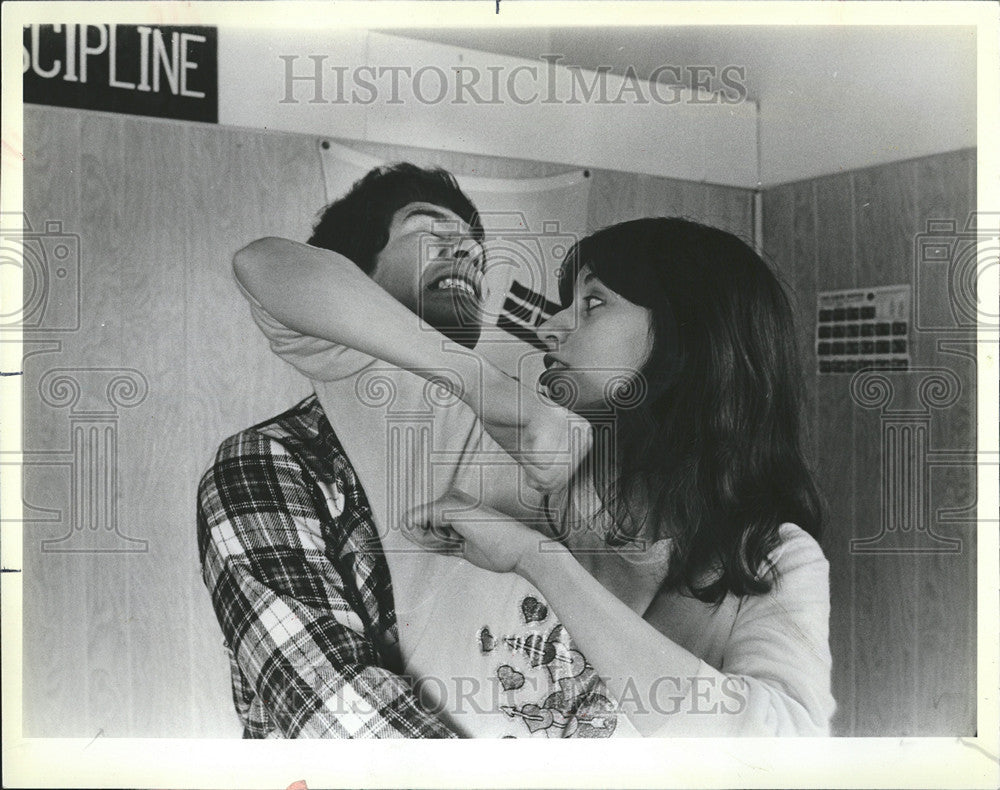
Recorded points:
(711, 453)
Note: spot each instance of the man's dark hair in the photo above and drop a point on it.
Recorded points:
(357, 225)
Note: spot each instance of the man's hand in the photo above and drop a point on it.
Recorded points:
(456, 524)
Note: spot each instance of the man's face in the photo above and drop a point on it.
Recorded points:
(433, 265)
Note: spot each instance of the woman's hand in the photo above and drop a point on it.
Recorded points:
(547, 440)
(456, 524)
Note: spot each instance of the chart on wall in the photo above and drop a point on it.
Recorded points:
(863, 328)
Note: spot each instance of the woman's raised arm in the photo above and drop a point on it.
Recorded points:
(320, 293)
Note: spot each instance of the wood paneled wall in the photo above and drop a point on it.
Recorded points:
(126, 643)
(903, 624)
(117, 641)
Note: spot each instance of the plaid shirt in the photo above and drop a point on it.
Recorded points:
(290, 555)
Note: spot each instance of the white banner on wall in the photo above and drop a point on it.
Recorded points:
(358, 84)
(530, 225)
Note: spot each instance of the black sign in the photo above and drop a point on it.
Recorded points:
(166, 71)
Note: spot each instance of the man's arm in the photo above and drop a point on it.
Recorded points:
(298, 601)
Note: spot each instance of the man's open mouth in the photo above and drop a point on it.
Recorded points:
(453, 283)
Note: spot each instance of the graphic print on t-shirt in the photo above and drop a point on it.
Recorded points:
(565, 697)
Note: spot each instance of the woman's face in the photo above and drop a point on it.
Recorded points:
(598, 343)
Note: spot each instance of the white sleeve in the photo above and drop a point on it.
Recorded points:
(316, 359)
(775, 676)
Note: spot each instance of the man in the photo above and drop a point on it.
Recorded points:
(324, 604)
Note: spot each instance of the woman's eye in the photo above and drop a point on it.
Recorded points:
(590, 302)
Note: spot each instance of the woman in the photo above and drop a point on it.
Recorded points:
(686, 566)
(704, 450)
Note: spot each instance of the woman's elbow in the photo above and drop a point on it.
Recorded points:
(772, 711)
(253, 259)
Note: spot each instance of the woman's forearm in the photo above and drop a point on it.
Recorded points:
(664, 689)
(628, 652)
(323, 294)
